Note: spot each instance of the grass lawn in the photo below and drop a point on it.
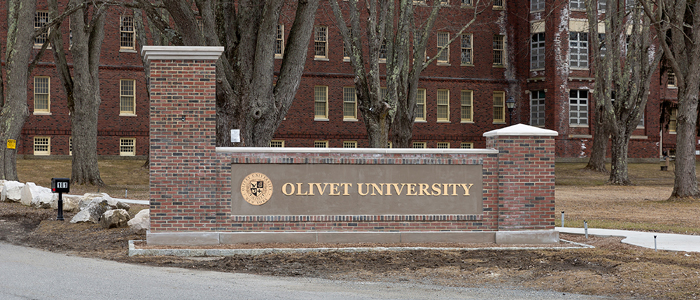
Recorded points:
(581, 194)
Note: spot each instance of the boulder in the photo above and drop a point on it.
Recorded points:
(114, 218)
(93, 211)
(141, 221)
(12, 191)
(71, 203)
(37, 196)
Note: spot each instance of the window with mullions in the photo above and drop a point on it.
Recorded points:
(42, 95)
(602, 5)
(420, 105)
(40, 20)
(536, 5)
(320, 144)
(577, 4)
(321, 103)
(127, 99)
(127, 147)
(466, 2)
(537, 51)
(276, 144)
(578, 107)
(537, 112)
(349, 104)
(419, 145)
(443, 105)
(499, 57)
(321, 42)
(578, 50)
(443, 145)
(499, 107)
(467, 108)
(42, 145)
(127, 34)
(467, 50)
(466, 145)
(498, 4)
(673, 121)
(442, 39)
(279, 41)
(349, 144)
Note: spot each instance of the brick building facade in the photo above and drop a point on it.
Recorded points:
(535, 52)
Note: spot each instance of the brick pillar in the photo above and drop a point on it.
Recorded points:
(525, 176)
(182, 135)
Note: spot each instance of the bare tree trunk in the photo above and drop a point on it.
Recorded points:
(686, 184)
(619, 174)
(20, 40)
(599, 149)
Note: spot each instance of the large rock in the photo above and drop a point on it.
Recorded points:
(37, 196)
(98, 206)
(141, 221)
(114, 218)
(71, 203)
(12, 191)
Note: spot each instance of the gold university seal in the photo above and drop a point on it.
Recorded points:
(256, 188)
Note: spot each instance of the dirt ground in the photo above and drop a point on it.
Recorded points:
(611, 269)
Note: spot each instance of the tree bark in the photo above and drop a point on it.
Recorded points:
(20, 40)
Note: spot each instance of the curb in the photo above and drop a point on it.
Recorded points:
(231, 252)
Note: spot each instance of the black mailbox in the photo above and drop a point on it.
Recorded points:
(60, 185)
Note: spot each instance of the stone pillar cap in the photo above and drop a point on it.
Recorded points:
(181, 52)
(521, 129)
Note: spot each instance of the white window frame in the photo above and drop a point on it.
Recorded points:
(443, 105)
(443, 145)
(41, 18)
(320, 98)
(418, 145)
(321, 42)
(126, 99)
(467, 3)
(536, 5)
(467, 50)
(498, 4)
(127, 33)
(673, 121)
(349, 144)
(320, 144)
(127, 147)
(41, 91)
(467, 106)
(577, 5)
(276, 144)
(42, 145)
(537, 108)
(421, 113)
(671, 80)
(578, 108)
(466, 145)
(499, 50)
(349, 103)
(578, 50)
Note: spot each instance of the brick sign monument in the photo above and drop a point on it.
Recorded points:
(201, 194)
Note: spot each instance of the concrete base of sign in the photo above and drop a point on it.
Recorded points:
(214, 238)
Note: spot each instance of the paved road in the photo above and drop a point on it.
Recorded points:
(27, 273)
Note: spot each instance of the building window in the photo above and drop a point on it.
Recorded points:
(603, 48)
(443, 105)
(276, 144)
(42, 95)
(444, 2)
(349, 104)
(602, 5)
(321, 42)
(279, 41)
(442, 39)
(578, 107)
(443, 145)
(419, 145)
(349, 144)
(320, 144)
(42, 145)
(420, 105)
(498, 4)
(126, 33)
(389, 145)
(578, 50)
(70, 146)
(467, 107)
(40, 20)
(466, 2)
(536, 5)
(321, 102)
(537, 51)
(671, 80)
(577, 4)
(499, 107)
(466, 145)
(467, 49)
(127, 146)
(673, 121)
(537, 108)
(641, 120)
(127, 97)
(499, 50)
(382, 52)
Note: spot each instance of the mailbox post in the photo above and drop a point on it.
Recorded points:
(60, 186)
